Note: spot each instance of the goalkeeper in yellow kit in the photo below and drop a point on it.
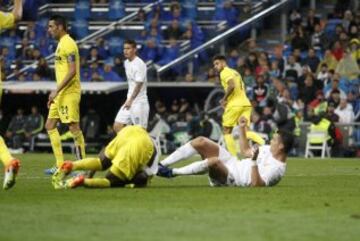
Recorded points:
(12, 165)
(235, 103)
(64, 102)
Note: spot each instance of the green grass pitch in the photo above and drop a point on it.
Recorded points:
(317, 200)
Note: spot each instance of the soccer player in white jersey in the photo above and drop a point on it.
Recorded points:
(263, 166)
(135, 110)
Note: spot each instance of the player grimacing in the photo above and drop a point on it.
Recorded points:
(234, 102)
(12, 165)
(64, 102)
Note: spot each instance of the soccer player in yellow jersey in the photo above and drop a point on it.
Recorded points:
(131, 157)
(12, 165)
(234, 102)
(64, 102)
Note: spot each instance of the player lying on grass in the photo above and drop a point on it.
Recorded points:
(263, 166)
(131, 157)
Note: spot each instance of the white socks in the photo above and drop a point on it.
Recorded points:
(199, 167)
(182, 153)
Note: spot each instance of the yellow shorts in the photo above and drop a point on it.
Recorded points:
(7, 20)
(231, 115)
(130, 151)
(66, 108)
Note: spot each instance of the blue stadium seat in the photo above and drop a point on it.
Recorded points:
(116, 10)
(80, 28)
(190, 8)
(115, 46)
(82, 10)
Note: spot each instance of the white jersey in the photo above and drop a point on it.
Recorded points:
(136, 72)
(270, 169)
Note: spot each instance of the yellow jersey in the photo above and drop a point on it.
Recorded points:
(7, 20)
(238, 97)
(67, 51)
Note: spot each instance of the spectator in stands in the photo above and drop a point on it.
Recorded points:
(292, 68)
(240, 65)
(141, 16)
(299, 39)
(94, 55)
(233, 58)
(34, 124)
(280, 115)
(43, 70)
(209, 76)
(193, 125)
(324, 75)
(335, 85)
(260, 91)
(101, 48)
(175, 12)
(345, 112)
(173, 30)
(297, 55)
(330, 113)
(279, 57)
(259, 125)
(311, 21)
(252, 62)
(337, 51)
(96, 77)
(110, 75)
(354, 32)
(307, 93)
(347, 20)
(295, 19)
(319, 104)
(119, 67)
(334, 98)
(150, 51)
(15, 130)
(355, 49)
(329, 59)
(312, 60)
(210, 128)
(227, 13)
(90, 125)
(171, 52)
(319, 39)
(348, 67)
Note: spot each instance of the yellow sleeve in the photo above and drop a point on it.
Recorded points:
(226, 75)
(70, 51)
(7, 20)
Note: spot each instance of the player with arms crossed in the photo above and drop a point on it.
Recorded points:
(131, 157)
(64, 102)
(135, 110)
(12, 165)
(263, 166)
(234, 102)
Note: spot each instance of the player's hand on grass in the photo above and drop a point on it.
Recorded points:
(242, 122)
(127, 104)
(51, 98)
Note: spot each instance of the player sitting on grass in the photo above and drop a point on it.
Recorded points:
(263, 166)
(131, 157)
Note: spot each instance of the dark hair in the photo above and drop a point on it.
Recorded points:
(130, 42)
(219, 57)
(59, 20)
(287, 139)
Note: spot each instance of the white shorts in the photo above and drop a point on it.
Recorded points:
(238, 171)
(138, 114)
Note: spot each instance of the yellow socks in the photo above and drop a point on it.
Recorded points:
(5, 155)
(56, 146)
(230, 144)
(80, 145)
(91, 164)
(97, 182)
(255, 137)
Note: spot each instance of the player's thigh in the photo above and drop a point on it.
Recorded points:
(123, 116)
(140, 114)
(205, 147)
(246, 112)
(69, 108)
(231, 116)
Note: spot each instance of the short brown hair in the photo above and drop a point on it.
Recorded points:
(130, 42)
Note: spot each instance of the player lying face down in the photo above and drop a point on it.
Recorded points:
(130, 158)
(263, 166)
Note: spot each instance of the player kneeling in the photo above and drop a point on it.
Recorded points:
(131, 157)
(263, 166)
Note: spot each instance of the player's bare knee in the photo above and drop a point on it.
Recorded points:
(213, 162)
(74, 127)
(198, 142)
(227, 130)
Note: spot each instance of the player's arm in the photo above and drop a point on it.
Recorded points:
(245, 149)
(135, 93)
(256, 180)
(228, 91)
(71, 59)
(18, 10)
